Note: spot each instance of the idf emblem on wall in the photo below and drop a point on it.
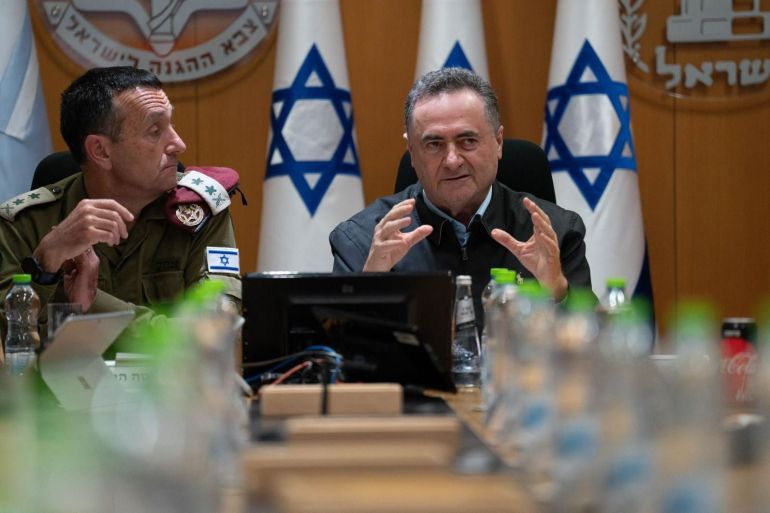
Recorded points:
(700, 48)
(178, 40)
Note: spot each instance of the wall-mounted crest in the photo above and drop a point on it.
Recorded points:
(712, 48)
(178, 40)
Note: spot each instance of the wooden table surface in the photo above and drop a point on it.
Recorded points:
(392, 476)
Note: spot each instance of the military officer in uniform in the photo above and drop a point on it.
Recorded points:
(116, 236)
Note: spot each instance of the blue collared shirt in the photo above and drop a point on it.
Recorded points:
(461, 231)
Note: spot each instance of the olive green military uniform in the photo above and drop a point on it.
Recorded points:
(153, 266)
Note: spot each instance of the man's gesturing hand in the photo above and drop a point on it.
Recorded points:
(540, 254)
(389, 243)
(91, 222)
(81, 278)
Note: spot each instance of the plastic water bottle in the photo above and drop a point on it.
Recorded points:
(577, 435)
(629, 409)
(489, 290)
(691, 448)
(614, 298)
(466, 350)
(22, 339)
(528, 392)
(496, 321)
(488, 297)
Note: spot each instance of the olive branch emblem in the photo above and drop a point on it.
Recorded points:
(632, 26)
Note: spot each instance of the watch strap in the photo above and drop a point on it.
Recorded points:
(39, 275)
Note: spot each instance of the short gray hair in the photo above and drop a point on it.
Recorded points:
(447, 80)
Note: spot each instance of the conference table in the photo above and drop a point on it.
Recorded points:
(434, 457)
(438, 456)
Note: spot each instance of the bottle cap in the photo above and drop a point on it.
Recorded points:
(636, 311)
(532, 289)
(506, 276)
(580, 300)
(616, 283)
(22, 278)
(463, 279)
(495, 271)
(695, 319)
(204, 292)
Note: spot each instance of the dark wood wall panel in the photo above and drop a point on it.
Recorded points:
(723, 206)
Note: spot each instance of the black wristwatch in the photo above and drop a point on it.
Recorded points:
(31, 266)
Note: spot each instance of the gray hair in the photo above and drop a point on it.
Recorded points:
(447, 80)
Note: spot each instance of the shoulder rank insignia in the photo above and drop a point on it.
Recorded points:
(13, 206)
(201, 192)
(209, 190)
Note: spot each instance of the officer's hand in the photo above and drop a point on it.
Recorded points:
(93, 221)
(540, 254)
(81, 278)
(389, 243)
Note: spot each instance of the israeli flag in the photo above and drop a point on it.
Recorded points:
(223, 260)
(452, 36)
(589, 144)
(24, 135)
(313, 181)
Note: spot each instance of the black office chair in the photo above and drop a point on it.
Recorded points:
(524, 167)
(58, 166)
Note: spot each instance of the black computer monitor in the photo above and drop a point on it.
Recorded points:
(388, 326)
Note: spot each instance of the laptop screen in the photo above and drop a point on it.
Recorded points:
(72, 366)
(392, 326)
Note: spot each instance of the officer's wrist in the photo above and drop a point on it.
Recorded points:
(47, 260)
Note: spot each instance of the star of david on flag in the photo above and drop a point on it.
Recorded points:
(588, 140)
(313, 104)
(452, 36)
(590, 164)
(312, 177)
(223, 260)
(457, 58)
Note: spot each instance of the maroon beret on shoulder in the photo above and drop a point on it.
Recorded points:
(200, 193)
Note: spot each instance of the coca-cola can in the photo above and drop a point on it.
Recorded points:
(739, 358)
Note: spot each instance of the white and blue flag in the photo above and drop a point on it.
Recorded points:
(24, 134)
(452, 36)
(223, 260)
(589, 143)
(313, 179)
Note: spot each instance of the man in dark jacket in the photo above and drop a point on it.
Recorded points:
(458, 217)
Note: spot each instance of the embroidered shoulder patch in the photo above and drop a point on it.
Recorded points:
(223, 260)
(13, 206)
(210, 190)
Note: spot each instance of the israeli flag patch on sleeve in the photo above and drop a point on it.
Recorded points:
(223, 260)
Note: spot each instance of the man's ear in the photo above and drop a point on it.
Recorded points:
(97, 148)
(499, 139)
(408, 147)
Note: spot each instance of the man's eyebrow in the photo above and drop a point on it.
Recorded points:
(431, 137)
(155, 115)
(462, 135)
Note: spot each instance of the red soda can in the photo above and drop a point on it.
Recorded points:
(739, 358)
